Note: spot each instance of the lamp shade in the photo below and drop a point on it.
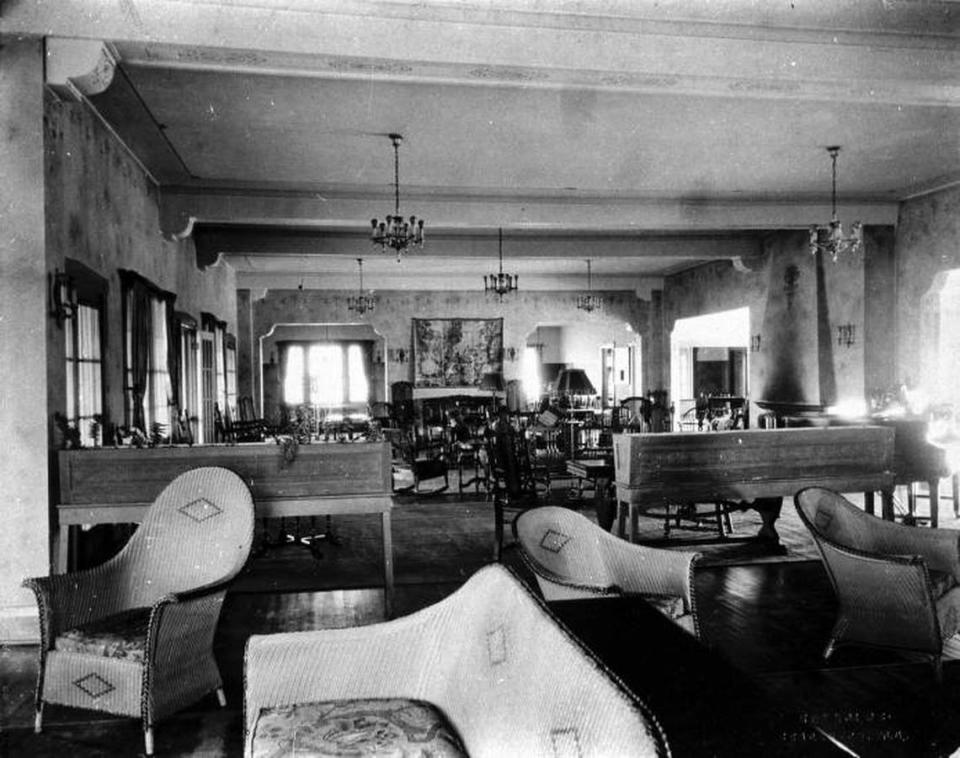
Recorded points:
(574, 381)
(492, 381)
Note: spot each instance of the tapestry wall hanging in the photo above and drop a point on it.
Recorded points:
(456, 352)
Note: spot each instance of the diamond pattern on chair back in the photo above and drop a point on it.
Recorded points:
(565, 546)
(832, 516)
(198, 531)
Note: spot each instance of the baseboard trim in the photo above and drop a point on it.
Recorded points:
(19, 625)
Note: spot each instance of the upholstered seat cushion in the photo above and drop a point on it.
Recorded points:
(355, 728)
(122, 635)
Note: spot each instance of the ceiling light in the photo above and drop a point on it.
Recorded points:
(500, 283)
(589, 302)
(830, 239)
(362, 302)
(395, 232)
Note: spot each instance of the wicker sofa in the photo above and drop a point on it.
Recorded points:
(487, 671)
(571, 557)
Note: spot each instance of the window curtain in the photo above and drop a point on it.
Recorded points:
(210, 323)
(137, 311)
(147, 311)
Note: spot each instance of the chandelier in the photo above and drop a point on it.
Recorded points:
(395, 232)
(830, 239)
(589, 302)
(362, 302)
(500, 283)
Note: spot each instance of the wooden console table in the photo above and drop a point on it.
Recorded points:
(117, 485)
(653, 470)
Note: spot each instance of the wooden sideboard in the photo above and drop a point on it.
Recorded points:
(117, 485)
(653, 470)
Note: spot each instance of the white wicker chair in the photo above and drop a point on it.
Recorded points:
(897, 586)
(572, 558)
(507, 677)
(134, 636)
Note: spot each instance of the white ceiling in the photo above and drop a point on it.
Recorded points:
(647, 136)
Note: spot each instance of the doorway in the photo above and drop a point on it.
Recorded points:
(709, 356)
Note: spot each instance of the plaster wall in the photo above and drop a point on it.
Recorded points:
(23, 323)
(927, 245)
(102, 209)
(712, 288)
(521, 313)
(796, 307)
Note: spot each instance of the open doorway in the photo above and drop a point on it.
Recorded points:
(709, 359)
(609, 353)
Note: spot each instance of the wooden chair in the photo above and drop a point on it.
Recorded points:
(512, 483)
(134, 636)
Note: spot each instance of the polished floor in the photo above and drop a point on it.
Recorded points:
(768, 619)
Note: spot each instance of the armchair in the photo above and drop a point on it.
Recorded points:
(487, 671)
(134, 636)
(572, 558)
(897, 586)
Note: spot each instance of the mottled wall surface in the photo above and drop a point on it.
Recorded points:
(712, 288)
(927, 243)
(102, 209)
(23, 323)
(798, 310)
(521, 313)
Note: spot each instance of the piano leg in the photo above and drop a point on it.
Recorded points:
(934, 485)
(769, 510)
(955, 487)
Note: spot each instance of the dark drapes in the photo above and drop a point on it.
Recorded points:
(138, 293)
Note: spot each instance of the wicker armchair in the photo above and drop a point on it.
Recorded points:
(496, 673)
(897, 586)
(134, 636)
(572, 558)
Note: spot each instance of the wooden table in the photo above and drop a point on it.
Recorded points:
(655, 470)
(117, 485)
(599, 472)
(706, 706)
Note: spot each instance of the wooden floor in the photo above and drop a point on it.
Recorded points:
(770, 620)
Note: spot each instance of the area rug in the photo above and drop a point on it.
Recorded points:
(447, 537)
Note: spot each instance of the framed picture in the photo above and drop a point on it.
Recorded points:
(456, 352)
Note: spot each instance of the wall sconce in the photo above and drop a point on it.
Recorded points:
(846, 334)
(397, 355)
(61, 305)
(755, 343)
(510, 353)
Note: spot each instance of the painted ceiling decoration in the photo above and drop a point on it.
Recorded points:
(649, 137)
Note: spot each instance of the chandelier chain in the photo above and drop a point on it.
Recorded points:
(500, 283)
(830, 239)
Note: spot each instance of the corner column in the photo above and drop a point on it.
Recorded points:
(25, 509)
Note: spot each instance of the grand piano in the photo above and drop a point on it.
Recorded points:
(917, 458)
(755, 467)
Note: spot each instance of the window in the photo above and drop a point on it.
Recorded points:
(148, 390)
(83, 292)
(215, 346)
(230, 364)
(188, 379)
(326, 374)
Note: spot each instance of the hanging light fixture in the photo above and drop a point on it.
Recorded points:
(830, 239)
(500, 283)
(589, 302)
(362, 302)
(395, 232)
